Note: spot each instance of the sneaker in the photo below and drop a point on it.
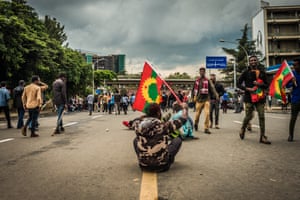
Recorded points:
(196, 127)
(206, 131)
(242, 133)
(264, 140)
(126, 123)
(24, 131)
(217, 127)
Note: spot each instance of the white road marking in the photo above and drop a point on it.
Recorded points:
(239, 122)
(71, 123)
(94, 117)
(6, 140)
(276, 117)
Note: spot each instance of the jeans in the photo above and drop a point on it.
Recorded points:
(60, 110)
(295, 108)
(33, 115)
(214, 106)
(90, 108)
(21, 113)
(260, 108)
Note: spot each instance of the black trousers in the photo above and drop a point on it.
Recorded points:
(7, 116)
(295, 108)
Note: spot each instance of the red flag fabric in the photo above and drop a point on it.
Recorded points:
(149, 89)
(281, 78)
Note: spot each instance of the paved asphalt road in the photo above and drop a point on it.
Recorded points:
(89, 162)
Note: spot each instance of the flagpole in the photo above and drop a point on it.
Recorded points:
(166, 84)
(295, 83)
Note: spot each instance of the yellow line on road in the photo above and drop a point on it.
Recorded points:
(149, 186)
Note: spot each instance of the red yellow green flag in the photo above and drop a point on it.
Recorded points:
(149, 89)
(281, 78)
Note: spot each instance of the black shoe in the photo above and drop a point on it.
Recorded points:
(249, 127)
(196, 127)
(206, 131)
(242, 133)
(291, 138)
(34, 135)
(264, 140)
(62, 129)
(10, 126)
(55, 132)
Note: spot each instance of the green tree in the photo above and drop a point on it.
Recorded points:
(55, 29)
(100, 76)
(239, 54)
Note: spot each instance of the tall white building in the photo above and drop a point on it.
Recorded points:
(276, 30)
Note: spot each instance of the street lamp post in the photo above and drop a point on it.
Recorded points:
(234, 60)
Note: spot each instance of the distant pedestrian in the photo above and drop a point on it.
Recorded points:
(90, 102)
(4, 97)
(60, 101)
(17, 96)
(32, 101)
(214, 103)
(270, 101)
(118, 102)
(225, 100)
(125, 102)
(295, 98)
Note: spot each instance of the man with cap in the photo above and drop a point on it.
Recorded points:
(202, 92)
(295, 101)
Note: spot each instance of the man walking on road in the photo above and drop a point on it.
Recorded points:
(202, 92)
(90, 102)
(4, 97)
(60, 101)
(32, 101)
(254, 80)
(295, 102)
(17, 94)
(214, 103)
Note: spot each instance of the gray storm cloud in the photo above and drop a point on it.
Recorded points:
(170, 32)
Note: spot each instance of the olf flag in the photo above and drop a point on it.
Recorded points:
(282, 77)
(149, 89)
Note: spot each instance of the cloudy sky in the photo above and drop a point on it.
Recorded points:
(174, 35)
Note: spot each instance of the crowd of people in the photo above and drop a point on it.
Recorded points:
(158, 139)
(158, 136)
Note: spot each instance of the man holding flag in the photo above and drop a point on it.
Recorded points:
(295, 108)
(253, 81)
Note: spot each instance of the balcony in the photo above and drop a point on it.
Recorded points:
(284, 52)
(284, 35)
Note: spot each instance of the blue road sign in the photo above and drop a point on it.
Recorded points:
(216, 62)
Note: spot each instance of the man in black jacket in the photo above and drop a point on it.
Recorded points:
(253, 81)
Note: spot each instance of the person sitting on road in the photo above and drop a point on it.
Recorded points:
(186, 131)
(151, 144)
